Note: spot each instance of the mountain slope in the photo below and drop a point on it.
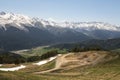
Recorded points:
(19, 31)
(109, 44)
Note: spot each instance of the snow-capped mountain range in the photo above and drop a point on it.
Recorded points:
(18, 20)
(16, 29)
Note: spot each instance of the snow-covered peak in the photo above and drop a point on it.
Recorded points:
(83, 25)
(91, 26)
(46, 22)
(15, 17)
(16, 20)
(20, 21)
(2, 13)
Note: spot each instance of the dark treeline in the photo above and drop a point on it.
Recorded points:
(12, 58)
(110, 44)
(89, 48)
(8, 57)
(43, 56)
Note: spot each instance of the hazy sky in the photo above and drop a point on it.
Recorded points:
(70, 10)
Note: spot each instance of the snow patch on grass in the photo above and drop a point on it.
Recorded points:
(13, 69)
(0, 64)
(45, 61)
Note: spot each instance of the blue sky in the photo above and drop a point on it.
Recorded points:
(70, 10)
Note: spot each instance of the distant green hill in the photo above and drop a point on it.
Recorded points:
(109, 44)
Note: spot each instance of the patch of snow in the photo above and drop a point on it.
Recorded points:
(0, 64)
(52, 58)
(59, 54)
(45, 61)
(41, 62)
(13, 69)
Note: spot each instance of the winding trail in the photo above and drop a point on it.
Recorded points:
(63, 60)
(59, 61)
(71, 60)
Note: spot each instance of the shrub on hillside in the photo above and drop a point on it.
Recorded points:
(82, 49)
(49, 54)
(9, 58)
(33, 58)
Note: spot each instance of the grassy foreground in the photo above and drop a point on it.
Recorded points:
(104, 71)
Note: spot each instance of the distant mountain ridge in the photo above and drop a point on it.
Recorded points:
(20, 21)
(18, 31)
(109, 44)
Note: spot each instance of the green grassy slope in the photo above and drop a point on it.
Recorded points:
(34, 68)
(39, 51)
(104, 71)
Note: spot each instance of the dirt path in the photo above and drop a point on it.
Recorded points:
(59, 61)
(81, 59)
